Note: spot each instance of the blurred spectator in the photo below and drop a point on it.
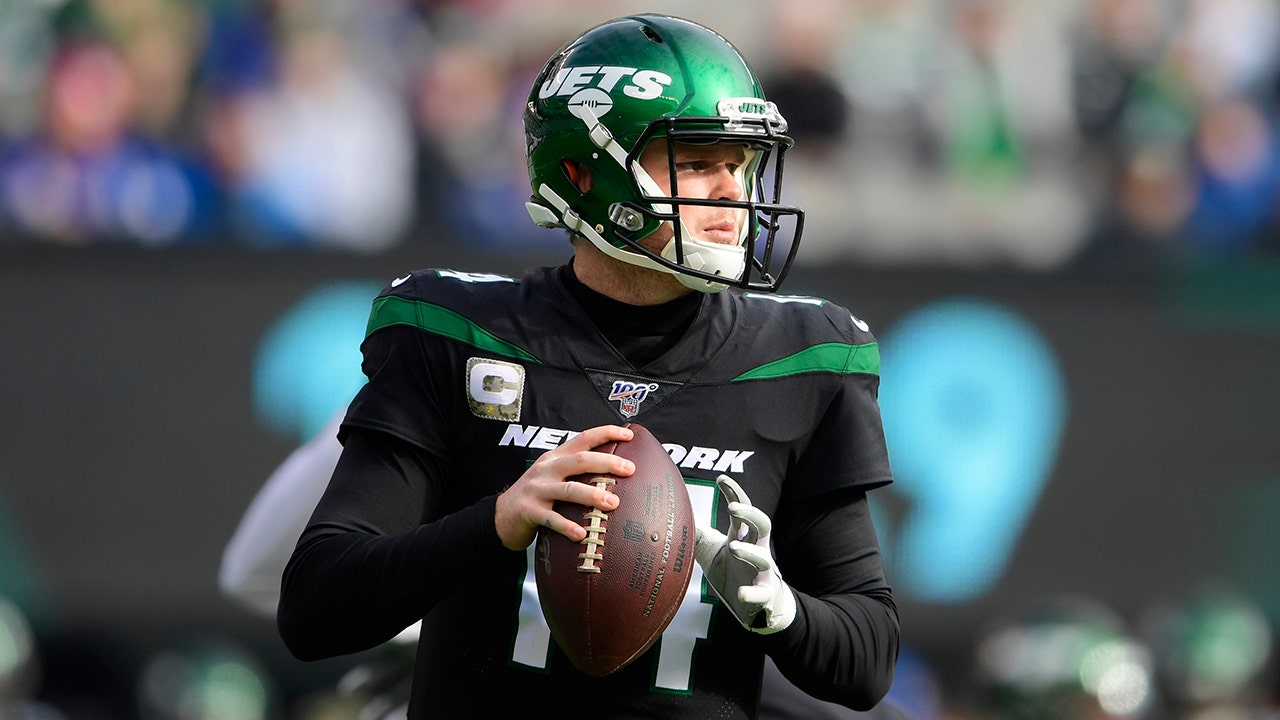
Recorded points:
(471, 170)
(1152, 200)
(159, 42)
(1169, 103)
(1230, 46)
(238, 51)
(800, 79)
(1115, 42)
(1003, 126)
(86, 175)
(807, 35)
(871, 188)
(1139, 192)
(323, 155)
(1236, 166)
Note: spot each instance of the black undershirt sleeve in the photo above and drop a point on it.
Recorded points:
(843, 645)
(375, 557)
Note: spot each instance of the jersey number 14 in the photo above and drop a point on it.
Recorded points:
(674, 671)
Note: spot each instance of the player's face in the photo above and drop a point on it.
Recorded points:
(703, 172)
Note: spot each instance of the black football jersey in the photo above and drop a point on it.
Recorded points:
(485, 372)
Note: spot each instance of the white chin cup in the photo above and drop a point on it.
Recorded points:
(728, 261)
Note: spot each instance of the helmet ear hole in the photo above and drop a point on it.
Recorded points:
(578, 174)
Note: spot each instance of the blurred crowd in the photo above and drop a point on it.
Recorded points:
(955, 132)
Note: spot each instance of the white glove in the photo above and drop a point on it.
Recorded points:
(740, 567)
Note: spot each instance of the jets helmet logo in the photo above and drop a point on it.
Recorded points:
(591, 86)
(597, 101)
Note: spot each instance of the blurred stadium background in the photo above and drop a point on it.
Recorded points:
(1062, 219)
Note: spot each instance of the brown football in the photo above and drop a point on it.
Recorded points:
(608, 598)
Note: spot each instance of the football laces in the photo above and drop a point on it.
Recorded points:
(594, 541)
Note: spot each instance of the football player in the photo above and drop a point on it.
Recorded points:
(255, 557)
(651, 141)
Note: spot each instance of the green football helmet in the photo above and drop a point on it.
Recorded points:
(604, 96)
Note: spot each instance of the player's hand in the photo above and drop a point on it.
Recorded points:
(740, 567)
(529, 503)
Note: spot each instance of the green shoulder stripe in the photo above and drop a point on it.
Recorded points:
(827, 357)
(392, 310)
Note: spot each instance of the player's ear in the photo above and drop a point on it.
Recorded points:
(579, 175)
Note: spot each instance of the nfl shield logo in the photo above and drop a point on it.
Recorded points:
(629, 395)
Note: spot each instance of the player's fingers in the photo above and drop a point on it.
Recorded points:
(753, 555)
(554, 467)
(519, 513)
(597, 436)
(733, 492)
(736, 528)
(587, 493)
(754, 522)
(563, 525)
(757, 596)
(590, 462)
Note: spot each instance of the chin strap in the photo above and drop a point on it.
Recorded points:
(697, 254)
(567, 218)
